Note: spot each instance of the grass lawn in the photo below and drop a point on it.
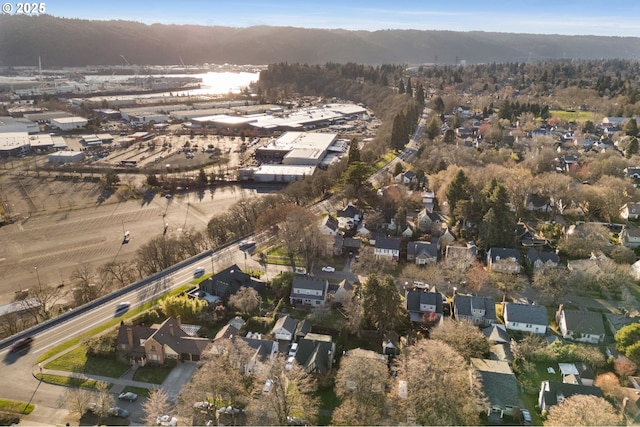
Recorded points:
(17, 407)
(328, 402)
(384, 160)
(77, 361)
(575, 116)
(68, 381)
(151, 374)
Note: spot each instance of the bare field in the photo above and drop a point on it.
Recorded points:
(63, 224)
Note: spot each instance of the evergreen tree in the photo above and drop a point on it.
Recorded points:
(409, 88)
(354, 151)
(631, 148)
(382, 304)
(459, 189)
(631, 128)
(449, 136)
(433, 128)
(498, 222)
(438, 105)
(399, 134)
(420, 94)
(401, 89)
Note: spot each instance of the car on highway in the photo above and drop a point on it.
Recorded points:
(118, 412)
(246, 245)
(328, 269)
(122, 308)
(198, 272)
(21, 344)
(129, 395)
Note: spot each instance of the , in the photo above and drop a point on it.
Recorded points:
(328, 269)
(21, 344)
(130, 396)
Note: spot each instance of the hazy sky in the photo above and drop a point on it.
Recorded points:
(611, 18)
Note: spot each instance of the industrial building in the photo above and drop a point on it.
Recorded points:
(14, 143)
(276, 173)
(45, 143)
(46, 116)
(11, 125)
(62, 157)
(296, 148)
(69, 123)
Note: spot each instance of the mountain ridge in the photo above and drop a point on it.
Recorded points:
(78, 42)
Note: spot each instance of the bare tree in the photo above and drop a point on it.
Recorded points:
(355, 314)
(121, 272)
(290, 395)
(246, 300)
(10, 324)
(78, 399)
(103, 399)
(41, 300)
(361, 384)
(86, 287)
(463, 336)
(434, 387)
(583, 410)
(300, 235)
(156, 405)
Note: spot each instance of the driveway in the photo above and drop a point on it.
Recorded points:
(179, 376)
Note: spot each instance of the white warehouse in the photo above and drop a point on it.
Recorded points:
(69, 123)
(62, 157)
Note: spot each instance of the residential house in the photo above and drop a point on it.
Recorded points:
(504, 260)
(407, 177)
(229, 281)
(285, 328)
(303, 328)
(461, 255)
(526, 318)
(538, 203)
(316, 353)
(630, 211)
(159, 343)
(630, 236)
(387, 248)
(228, 331)
(351, 245)
(554, 392)
(632, 172)
(537, 259)
(309, 291)
(500, 386)
(428, 200)
(527, 236)
(568, 161)
(480, 311)
(265, 352)
(237, 322)
(424, 306)
(349, 217)
(422, 253)
(430, 221)
(582, 326)
(615, 322)
(497, 333)
(329, 226)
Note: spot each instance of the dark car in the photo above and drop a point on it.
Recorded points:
(21, 344)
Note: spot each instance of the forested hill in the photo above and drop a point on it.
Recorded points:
(75, 42)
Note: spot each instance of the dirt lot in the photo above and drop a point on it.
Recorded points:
(65, 223)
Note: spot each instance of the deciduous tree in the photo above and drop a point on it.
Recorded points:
(156, 405)
(246, 300)
(583, 410)
(463, 336)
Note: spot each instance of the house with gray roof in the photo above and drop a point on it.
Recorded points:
(422, 253)
(504, 260)
(537, 259)
(554, 392)
(526, 318)
(285, 328)
(424, 307)
(316, 353)
(229, 281)
(579, 325)
(500, 386)
(303, 328)
(630, 236)
(309, 291)
(615, 322)
(497, 333)
(387, 248)
(630, 210)
(480, 311)
(329, 226)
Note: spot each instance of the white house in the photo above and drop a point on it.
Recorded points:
(388, 248)
(526, 318)
(582, 326)
(285, 328)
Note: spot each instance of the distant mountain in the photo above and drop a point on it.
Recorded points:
(75, 42)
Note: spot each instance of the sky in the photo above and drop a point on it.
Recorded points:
(569, 17)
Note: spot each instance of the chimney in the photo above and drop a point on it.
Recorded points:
(130, 336)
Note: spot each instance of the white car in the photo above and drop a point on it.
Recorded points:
(167, 420)
(328, 269)
(293, 349)
(289, 365)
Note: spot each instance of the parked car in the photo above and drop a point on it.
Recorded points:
(21, 344)
(526, 417)
(166, 420)
(296, 421)
(118, 412)
(328, 269)
(267, 386)
(290, 361)
(92, 407)
(300, 271)
(202, 405)
(293, 349)
(130, 396)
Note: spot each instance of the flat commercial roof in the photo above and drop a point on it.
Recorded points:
(72, 119)
(288, 170)
(13, 140)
